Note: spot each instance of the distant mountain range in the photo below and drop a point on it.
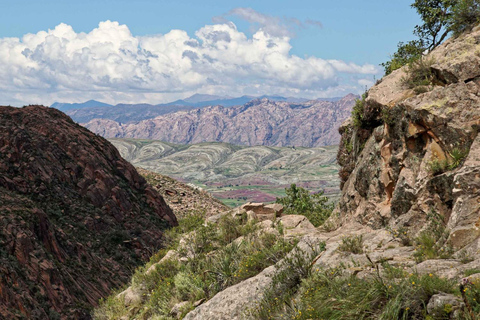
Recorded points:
(84, 112)
(71, 106)
(259, 122)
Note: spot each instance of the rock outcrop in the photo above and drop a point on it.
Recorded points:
(420, 155)
(75, 217)
(259, 122)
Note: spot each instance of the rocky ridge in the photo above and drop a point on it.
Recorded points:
(75, 217)
(259, 122)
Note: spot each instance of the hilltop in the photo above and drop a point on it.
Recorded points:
(259, 122)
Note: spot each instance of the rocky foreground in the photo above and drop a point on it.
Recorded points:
(403, 242)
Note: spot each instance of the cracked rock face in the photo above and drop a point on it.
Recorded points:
(392, 181)
(75, 218)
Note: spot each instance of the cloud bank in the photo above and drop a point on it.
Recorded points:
(110, 64)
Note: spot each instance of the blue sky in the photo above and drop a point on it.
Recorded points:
(360, 34)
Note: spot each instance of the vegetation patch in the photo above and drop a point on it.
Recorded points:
(352, 244)
(211, 259)
(316, 207)
(438, 20)
(285, 283)
(431, 242)
(419, 75)
(456, 158)
(333, 294)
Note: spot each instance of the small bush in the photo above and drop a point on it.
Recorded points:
(292, 270)
(457, 156)
(353, 244)
(401, 234)
(358, 112)
(331, 294)
(315, 207)
(406, 53)
(188, 286)
(437, 166)
(420, 76)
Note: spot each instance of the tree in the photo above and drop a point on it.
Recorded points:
(436, 16)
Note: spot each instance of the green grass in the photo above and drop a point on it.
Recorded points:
(291, 272)
(213, 262)
(337, 295)
(333, 294)
(469, 272)
(419, 75)
(431, 242)
(352, 244)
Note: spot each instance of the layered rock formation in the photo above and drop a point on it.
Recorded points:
(419, 153)
(75, 217)
(259, 122)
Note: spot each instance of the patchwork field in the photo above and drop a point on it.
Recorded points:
(235, 174)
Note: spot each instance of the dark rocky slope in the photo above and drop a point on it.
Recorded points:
(75, 218)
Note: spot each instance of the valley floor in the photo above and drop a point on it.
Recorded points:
(237, 174)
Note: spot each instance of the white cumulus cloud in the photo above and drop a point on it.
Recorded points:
(110, 64)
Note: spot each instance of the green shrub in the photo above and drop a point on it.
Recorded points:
(315, 207)
(110, 308)
(406, 53)
(457, 155)
(188, 286)
(358, 112)
(291, 271)
(401, 234)
(214, 262)
(353, 244)
(419, 74)
(437, 166)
